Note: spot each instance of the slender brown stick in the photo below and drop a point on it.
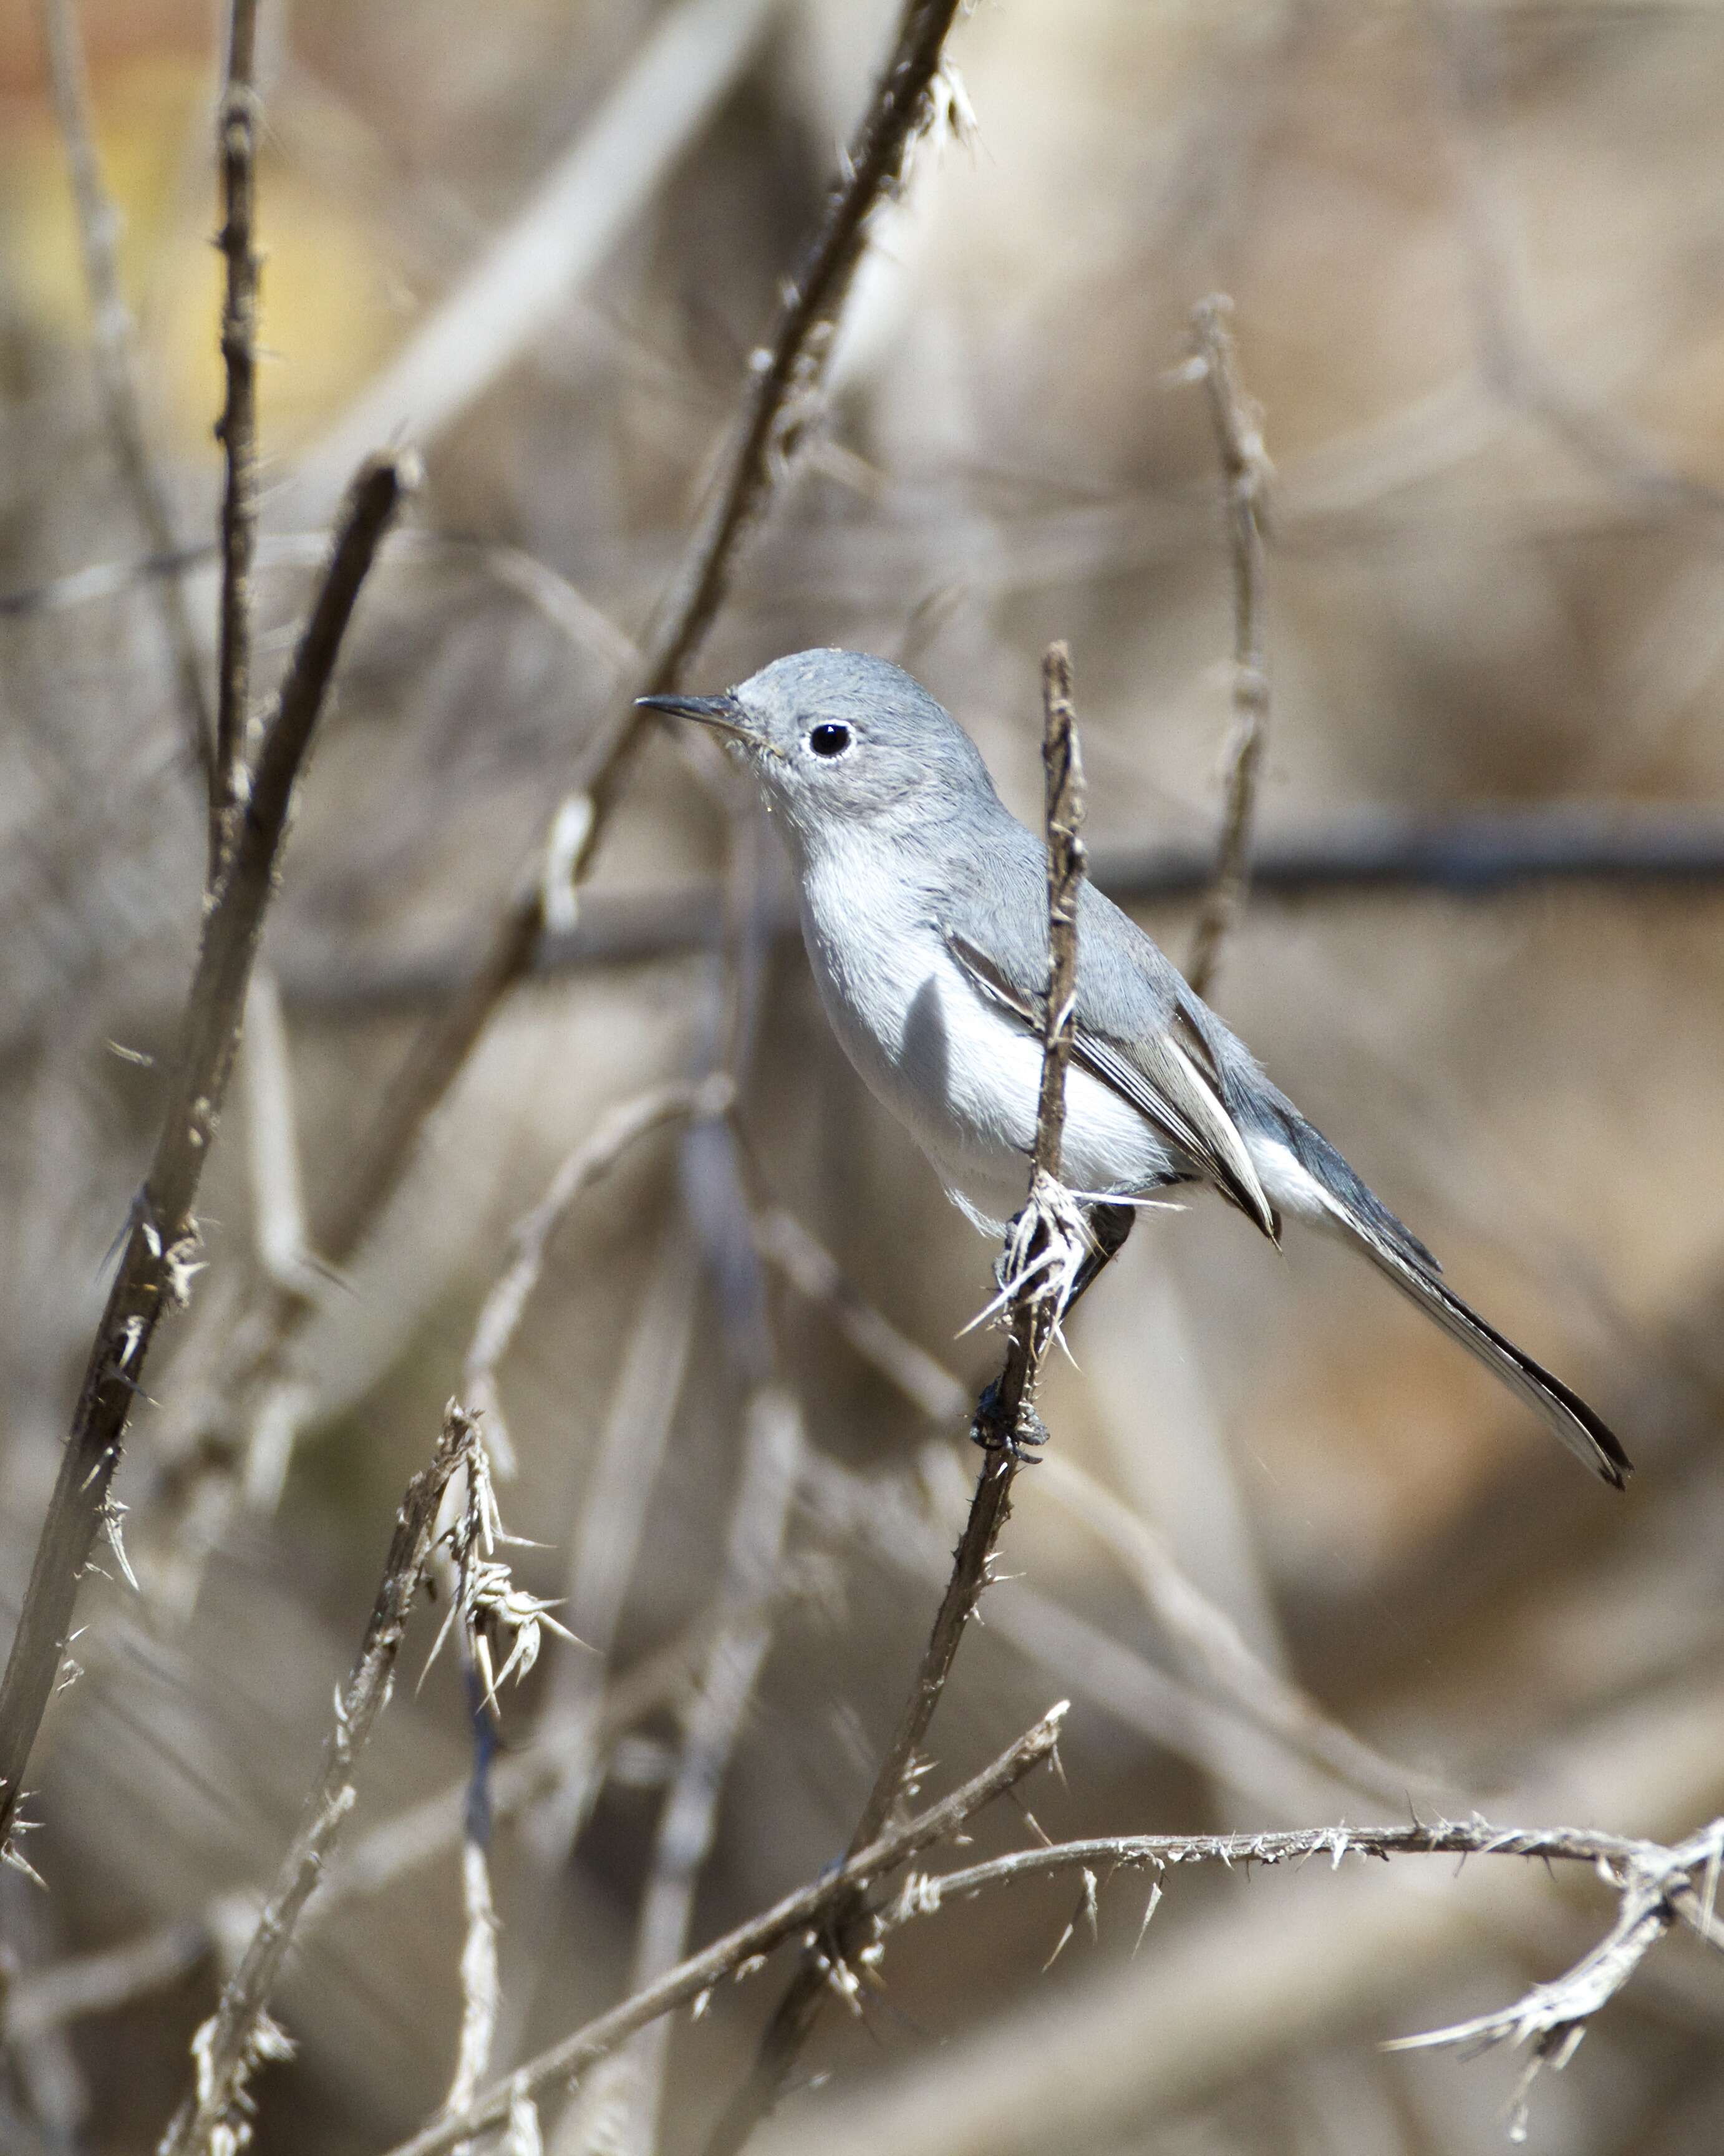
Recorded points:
(230, 2045)
(116, 379)
(809, 1906)
(1244, 474)
(1005, 1420)
(161, 1245)
(237, 429)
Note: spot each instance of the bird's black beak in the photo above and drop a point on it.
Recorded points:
(724, 713)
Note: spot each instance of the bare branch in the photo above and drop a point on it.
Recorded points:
(159, 1258)
(1005, 1420)
(500, 1317)
(110, 318)
(1478, 855)
(1245, 467)
(228, 2046)
(237, 429)
(772, 1468)
(806, 1911)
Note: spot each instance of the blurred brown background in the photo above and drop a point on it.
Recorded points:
(1478, 258)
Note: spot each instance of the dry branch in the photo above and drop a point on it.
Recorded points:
(111, 321)
(1478, 854)
(806, 1910)
(237, 429)
(1042, 1249)
(1244, 469)
(240, 2034)
(160, 1246)
(772, 1462)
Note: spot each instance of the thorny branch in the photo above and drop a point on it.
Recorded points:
(236, 429)
(240, 2036)
(160, 1256)
(1655, 1884)
(1245, 467)
(737, 1954)
(110, 321)
(781, 391)
(1005, 1421)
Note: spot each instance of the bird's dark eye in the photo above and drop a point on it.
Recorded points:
(830, 739)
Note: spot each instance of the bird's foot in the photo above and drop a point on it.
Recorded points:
(1020, 1445)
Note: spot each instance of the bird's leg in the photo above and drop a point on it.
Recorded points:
(1108, 1225)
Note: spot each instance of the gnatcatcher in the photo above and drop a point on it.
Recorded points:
(924, 908)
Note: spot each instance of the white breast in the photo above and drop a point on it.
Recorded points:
(961, 1073)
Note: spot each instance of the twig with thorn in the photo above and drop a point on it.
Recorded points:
(1005, 1421)
(809, 1911)
(160, 1255)
(240, 2035)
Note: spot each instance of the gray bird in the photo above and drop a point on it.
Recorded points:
(924, 909)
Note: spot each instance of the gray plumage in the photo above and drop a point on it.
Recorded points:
(924, 909)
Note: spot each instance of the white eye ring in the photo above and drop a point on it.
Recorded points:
(830, 738)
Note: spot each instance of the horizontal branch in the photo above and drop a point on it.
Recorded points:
(1472, 855)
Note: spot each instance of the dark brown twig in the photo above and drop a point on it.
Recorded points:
(160, 1246)
(1244, 474)
(237, 429)
(111, 328)
(240, 2034)
(1005, 1421)
(808, 1908)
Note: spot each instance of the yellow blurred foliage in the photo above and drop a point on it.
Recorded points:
(326, 317)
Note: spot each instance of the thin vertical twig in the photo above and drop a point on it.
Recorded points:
(115, 371)
(1005, 1420)
(159, 1258)
(760, 1518)
(1246, 469)
(240, 2036)
(237, 429)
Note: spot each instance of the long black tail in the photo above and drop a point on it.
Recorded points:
(1589, 1439)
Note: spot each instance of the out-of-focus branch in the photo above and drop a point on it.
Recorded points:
(240, 2035)
(690, 62)
(1244, 471)
(237, 429)
(735, 1954)
(1044, 1246)
(1474, 854)
(772, 1469)
(117, 1977)
(500, 1315)
(158, 1261)
(111, 326)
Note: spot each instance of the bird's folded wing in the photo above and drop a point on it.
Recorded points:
(1158, 1078)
